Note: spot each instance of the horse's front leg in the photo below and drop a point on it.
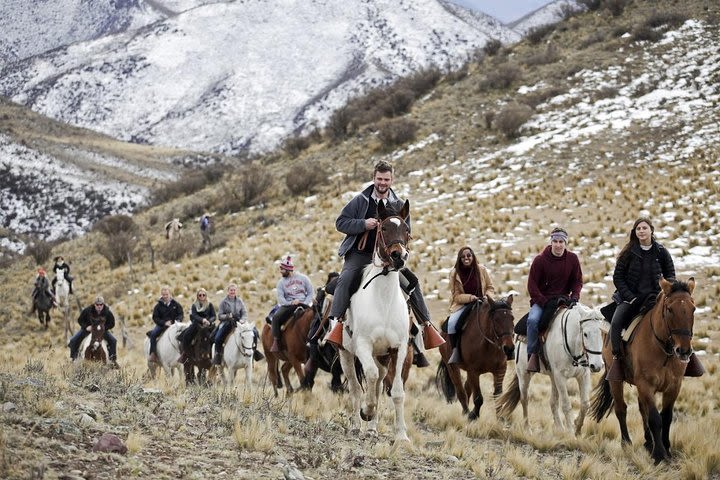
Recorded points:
(368, 408)
(561, 395)
(584, 386)
(378, 390)
(666, 415)
(249, 372)
(651, 418)
(523, 386)
(347, 360)
(397, 393)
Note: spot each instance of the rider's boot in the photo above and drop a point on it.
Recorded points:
(153, 358)
(455, 355)
(615, 373)
(419, 358)
(694, 368)
(533, 363)
(257, 355)
(335, 335)
(275, 348)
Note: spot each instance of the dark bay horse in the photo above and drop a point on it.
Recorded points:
(200, 356)
(43, 303)
(655, 361)
(486, 345)
(293, 348)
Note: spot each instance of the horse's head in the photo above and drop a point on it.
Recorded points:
(592, 342)
(245, 338)
(393, 235)
(501, 319)
(678, 312)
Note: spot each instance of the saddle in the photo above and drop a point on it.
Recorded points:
(462, 321)
(631, 323)
(549, 312)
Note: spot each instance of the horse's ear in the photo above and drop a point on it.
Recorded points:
(405, 212)
(691, 284)
(665, 286)
(381, 210)
(489, 298)
(509, 299)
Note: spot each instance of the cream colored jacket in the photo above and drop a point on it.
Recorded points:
(458, 297)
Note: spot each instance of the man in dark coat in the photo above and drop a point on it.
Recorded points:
(90, 316)
(166, 312)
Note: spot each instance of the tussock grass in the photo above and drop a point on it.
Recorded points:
(255, 434)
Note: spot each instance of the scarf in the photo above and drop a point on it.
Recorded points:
(200, 306)
(470, 280)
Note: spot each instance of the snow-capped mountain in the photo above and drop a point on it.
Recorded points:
(550, 13)
(233, 76)
(29, 28)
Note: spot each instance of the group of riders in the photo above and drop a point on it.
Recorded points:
(554, 281)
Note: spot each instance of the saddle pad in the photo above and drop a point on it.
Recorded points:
(627, 333)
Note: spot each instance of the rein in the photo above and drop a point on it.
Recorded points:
(580, 360)
(668, 346)
(498, 336)
(381, 248)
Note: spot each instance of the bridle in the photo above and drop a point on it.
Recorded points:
(580, 360)
(668, 345)
(494, 308)
(243, 348)
(382, 248)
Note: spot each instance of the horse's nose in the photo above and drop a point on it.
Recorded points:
(395, 254)
(594, 368)
(509, 352)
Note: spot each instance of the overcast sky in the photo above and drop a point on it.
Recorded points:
(504, 10)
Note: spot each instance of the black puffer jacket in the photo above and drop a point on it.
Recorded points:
(162, 313)
(629, 271)
(90, 316)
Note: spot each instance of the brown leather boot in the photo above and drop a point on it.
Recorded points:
(217, 359)
(257, 355)
(420, 360)
(275, 345)
(533, 363)
(153, 358)
(616, 373)
(335, 335)
(694, 368)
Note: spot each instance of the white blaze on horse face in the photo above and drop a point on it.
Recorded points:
(395, 221)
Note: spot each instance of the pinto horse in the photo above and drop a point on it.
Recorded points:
(573, 349)
(655, 359)
(377, 325)
(293, 348)
(94, 346)
(486, 345)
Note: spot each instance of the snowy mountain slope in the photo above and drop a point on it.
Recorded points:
(494, 27)
(31, 27)
(243, 74)
(550, 13)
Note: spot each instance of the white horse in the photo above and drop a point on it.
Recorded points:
(167, 350)
(238, 353)
(573, 348)
(62, 297)
(173, 229)
(378, 325)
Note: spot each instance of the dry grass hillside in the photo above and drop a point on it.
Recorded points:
(470, 182)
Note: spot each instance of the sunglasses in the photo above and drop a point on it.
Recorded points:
(467, 255)
(99, 304)
(201, 295)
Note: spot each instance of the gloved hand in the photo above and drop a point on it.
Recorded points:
(563, 300)
(571, 302)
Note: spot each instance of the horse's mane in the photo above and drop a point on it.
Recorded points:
(679, 286)
(501, 304)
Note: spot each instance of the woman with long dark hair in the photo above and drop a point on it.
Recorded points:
(469, 282)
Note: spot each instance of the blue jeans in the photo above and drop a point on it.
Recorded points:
(77, 339)
(453, 320)
(154, 334)
(532, 328)
(221, 333)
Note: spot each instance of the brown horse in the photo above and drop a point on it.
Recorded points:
(486, 345)
(199, 356)
(43, 303)
(94, 347)
(655, 361)
(293, 349)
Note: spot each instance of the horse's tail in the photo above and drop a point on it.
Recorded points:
(601, 401)
(508, 401)
(443, 382)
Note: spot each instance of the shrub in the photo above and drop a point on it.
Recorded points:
(537, 34)
(492, 47)
(591, 5)
(393, 133)
(616, 7)
(338, 127)
(302, 178)
(39, 250)
(177, 248)
(605, 92)
(455, 76)
(421, 82)
(671, 19)
(595, 37)
(511, 118)
(119, 238)
(535, 98)
(550, 55)
(190, 182)
(397, 102)
(502, 78)
(645, 33)
(294, 145)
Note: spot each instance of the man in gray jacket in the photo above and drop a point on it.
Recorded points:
(360, 216)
